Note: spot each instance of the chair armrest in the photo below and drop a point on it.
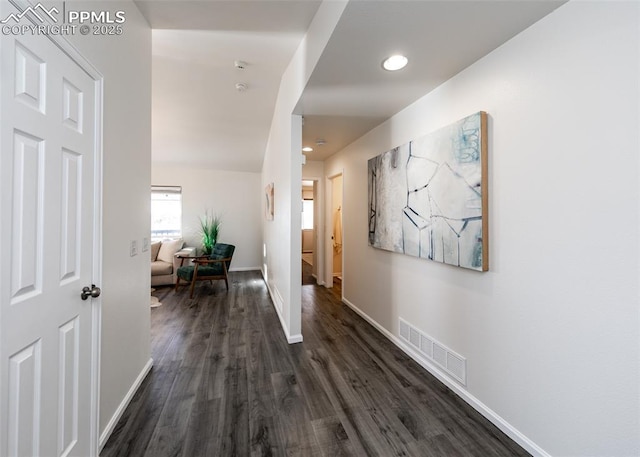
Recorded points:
(205, 260)
(178, 257)
(186, 252)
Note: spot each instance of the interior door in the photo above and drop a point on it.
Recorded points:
(47, 158)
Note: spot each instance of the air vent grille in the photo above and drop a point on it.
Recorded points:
(404, 330)
(414, 337)
(457, 366)
(426, 346)
(440, 355)
(450, 362)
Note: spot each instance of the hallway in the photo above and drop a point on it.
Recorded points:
(226, 383)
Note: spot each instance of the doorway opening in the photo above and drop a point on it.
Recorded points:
(309, 233)
(334, 249)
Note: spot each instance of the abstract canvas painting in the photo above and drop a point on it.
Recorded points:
(428, 198)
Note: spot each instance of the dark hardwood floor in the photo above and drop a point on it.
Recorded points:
(307, 274)
(226, 383)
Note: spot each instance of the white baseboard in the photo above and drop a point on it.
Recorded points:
(320, 283)
(476, 404)
(244, 269)
(277, 301)
(104, 436)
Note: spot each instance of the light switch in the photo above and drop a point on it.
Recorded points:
(145, 244)
(134, 248)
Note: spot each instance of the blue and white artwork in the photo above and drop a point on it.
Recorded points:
(428, 198)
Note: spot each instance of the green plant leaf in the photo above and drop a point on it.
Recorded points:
(209, 231)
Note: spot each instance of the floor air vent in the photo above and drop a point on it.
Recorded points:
(404, 330)
(450, 362)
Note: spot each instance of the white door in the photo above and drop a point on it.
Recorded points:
(47, 161)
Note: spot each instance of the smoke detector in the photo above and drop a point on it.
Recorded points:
(241, 87)
(240, 64)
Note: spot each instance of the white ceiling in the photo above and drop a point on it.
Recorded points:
(276, 16)
(200, 118)
(349, 93)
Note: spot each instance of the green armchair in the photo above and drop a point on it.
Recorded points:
(214, 266)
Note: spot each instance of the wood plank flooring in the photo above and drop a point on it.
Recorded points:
(226, 383)
(307, 274)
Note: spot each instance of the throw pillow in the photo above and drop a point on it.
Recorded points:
(155, 248)
(168, 250)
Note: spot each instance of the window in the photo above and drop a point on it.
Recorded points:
(166, 212)
(307, 214)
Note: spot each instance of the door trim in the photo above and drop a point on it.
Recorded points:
(96, 304)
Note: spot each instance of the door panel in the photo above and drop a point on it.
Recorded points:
(68, 394)
(24, 405)
(27, 203)
(70, 242)
(47, 166)
(30, 81)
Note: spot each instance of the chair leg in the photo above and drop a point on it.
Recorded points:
(226, 282)
(193, 280)
(193, 283)
(177, 283)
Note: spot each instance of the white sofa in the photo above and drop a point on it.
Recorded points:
(165, 261)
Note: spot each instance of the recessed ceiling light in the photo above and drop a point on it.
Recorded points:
(393, 63)
(307, 149)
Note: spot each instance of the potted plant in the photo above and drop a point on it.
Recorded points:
(209, 230)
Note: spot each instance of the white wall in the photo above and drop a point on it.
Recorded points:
(551, 332)
(125, 63)
(282, 166)
(313, 169)
(235, 196)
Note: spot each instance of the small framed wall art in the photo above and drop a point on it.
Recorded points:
(268, 209)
